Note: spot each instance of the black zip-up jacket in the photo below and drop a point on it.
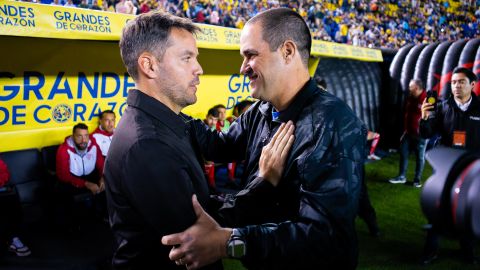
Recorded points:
(308, 219)
(449, 118)
(151, 173)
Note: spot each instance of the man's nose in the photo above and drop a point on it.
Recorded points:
(244, 67)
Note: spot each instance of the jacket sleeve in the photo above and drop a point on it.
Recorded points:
(428, 128)
(63, 168)
(219, 146)
(252, 205)
(322, 235)
(4, 173)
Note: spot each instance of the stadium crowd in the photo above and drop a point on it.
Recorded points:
(365, 23)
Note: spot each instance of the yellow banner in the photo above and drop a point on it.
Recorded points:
(36, 20)
(330, 49)
(49, 85)
(216, 37)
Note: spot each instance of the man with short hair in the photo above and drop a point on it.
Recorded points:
(79, 161)
(211, 119)
(411, 136)
(153, 168)
(222, 123)
(103, 134)
(308, 211)
(457, 121)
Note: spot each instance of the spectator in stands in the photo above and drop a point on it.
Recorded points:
(375, 24)
(311, 210)
(457, 121)
(11, 215)
(152, 168)
(103, 134)
(411, 137)
(222, 124)
(144, 7)
(107, 7)
(126, 7)
(211, 119)
(83, 4)
(69, 3)
(95, 5)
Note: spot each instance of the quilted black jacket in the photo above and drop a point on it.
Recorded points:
(307, 221)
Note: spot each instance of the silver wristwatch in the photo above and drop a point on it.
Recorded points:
(236, 247)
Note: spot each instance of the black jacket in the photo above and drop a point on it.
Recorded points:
(151, 172)
(311, 212)
(449, 118)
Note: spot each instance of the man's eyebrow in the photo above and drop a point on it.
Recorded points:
(189, 53)
(248, 51)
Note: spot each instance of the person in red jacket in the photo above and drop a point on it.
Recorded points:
(79, 166)
(104, 133)
(4, 173)
(411, 137)
(11, 215)
(80, 161)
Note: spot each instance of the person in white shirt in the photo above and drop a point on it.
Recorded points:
(104, 133)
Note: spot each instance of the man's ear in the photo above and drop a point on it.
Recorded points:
(289, 50)
(147, 65)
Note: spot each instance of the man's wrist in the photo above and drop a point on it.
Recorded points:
(226, 233)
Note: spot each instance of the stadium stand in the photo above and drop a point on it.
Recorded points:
(366, 23)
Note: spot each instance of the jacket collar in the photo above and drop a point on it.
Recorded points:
(474, 104)
(295, 108)
(157, 110)
(103, 132)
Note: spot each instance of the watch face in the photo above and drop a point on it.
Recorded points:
(236, 248)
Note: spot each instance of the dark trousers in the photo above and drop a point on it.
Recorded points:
(419, 145)
(11, 216)
(77, 205)
(365, 208)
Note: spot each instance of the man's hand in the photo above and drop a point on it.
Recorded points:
(426, 109)
(101, 185)
(92, 187)
(203, 243)
(274, 154)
